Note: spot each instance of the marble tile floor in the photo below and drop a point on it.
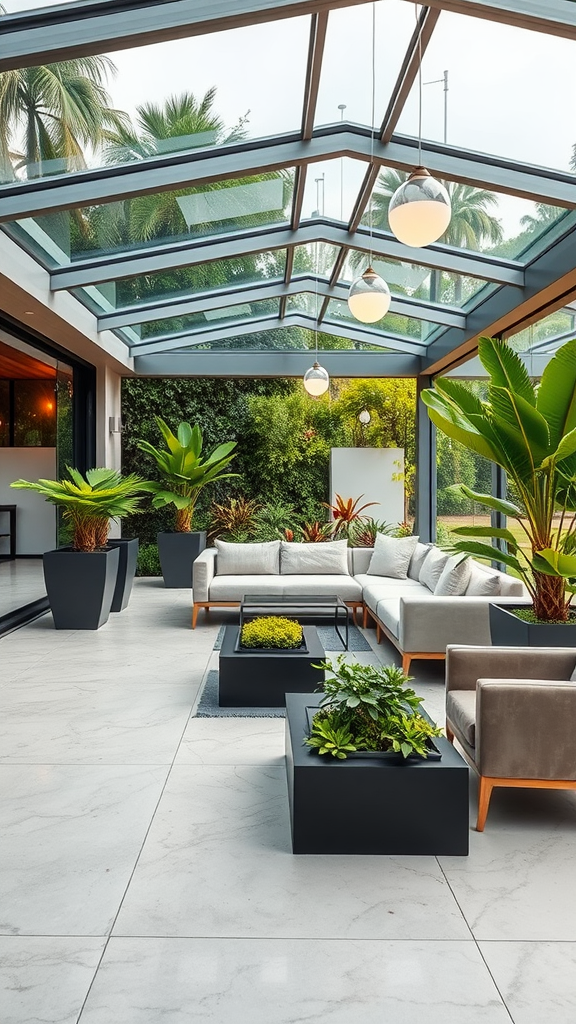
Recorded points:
(146, 873)
(21, 582)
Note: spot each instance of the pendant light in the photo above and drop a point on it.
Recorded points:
(369, 296)
(419, 212)
(316, 379)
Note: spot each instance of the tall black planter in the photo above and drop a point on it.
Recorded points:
(507, 630)
(128, 551)
(177, 553)
(80, 586)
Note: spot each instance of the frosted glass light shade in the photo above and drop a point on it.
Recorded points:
(419, 210)
(369, 297)
(364, 417)
(316, 380)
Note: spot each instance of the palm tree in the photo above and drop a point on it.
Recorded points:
(471, 225)
(545, 217)
(54, 112)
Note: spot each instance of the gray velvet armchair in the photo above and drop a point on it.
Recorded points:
(513, 712)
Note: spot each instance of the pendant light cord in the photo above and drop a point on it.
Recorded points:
(316, 320)
(372, 115)
(419, 85)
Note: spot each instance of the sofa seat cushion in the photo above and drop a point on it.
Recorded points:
(375, 592)
(388, 612)
(461, 712)
(233, 588)
(390, 584)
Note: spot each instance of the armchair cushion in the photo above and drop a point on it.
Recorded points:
(461, 713)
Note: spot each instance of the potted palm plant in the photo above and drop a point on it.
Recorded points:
(185, 472)
(530, 431)
(83, 580)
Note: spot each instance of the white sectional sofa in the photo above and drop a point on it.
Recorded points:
(419, 622)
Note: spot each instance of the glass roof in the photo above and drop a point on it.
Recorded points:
(186, 198)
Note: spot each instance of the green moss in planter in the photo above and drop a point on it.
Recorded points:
(272, 631)
(148, 561)
(529, 615)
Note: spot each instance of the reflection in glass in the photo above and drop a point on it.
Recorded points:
(4, 413)
(34, 414)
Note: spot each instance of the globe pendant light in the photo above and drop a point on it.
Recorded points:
(419, 211)
(316, 380)
(369, 297)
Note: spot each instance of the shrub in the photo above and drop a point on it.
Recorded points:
(363, 535)
(148, 561)
(272, 631)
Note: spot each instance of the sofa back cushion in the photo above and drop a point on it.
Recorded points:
(247, 559)
(328, 558)
(432, 568)
(420, 552)
(392, 556)
(483, 582)
(455, 577)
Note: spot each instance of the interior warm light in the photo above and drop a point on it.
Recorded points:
(316, 380)
(420, 210)
(369, 297)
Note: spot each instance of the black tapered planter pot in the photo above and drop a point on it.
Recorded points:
(177, 553)
(507, 630)
(80, 586)
(128, 552)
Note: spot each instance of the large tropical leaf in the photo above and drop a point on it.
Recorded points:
(497, 532)
(507, 508)
(524, 419)
(471, 547)
(444, 416)
(506, 368)
(556, 399)
(554, 563)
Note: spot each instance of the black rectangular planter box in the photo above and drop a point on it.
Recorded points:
(369, 805)
(80, 586)
(177, 552)
(128, 552)
(507, 630)
(261, 679)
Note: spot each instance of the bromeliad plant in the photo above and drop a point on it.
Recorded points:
(184, 471)
(345, 511)
(531, 433)
(89, 503)
(368, 708)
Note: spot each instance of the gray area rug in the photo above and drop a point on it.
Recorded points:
(328, 638)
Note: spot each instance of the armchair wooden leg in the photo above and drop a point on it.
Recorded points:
(449, 733)
(406, 662)
(485, 787)
(195, 608)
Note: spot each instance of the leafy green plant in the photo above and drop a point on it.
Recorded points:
(235, 518)
(363, 534)
(272, 631)
(368, 708)
(345, 512)
(531, 433)
(89, 503)
(185, 472)
(272, 519)
(148, 563)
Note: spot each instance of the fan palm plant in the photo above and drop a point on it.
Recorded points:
(531, 433)
(89, 503)
(184, 471)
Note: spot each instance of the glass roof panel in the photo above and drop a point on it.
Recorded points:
(415, 281)
(392, 323)
(315, 257)
(395, 23)
(304, 302)
(332, 187)
(210, 318)
(146, 221)
(285, 339)
(183, 94)
(515, 110)
(482, 220)
(547, 335)
(183, 282)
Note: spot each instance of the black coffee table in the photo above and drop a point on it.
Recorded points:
(260, 679)
(328, 606)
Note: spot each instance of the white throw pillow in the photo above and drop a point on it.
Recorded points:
(420, 552)
(482, 584)
(432, 568)
(455, 577)
(329, 558)
(392, 556)
(247, 559)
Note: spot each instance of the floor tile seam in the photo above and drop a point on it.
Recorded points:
(476, 943)
(284, 938)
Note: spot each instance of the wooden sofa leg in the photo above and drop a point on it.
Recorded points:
(378, 633)
(449, 733)
(195, 608)
(365, 618)
(406, 662)
(485, 787)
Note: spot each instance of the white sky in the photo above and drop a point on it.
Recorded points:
(511, 92)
